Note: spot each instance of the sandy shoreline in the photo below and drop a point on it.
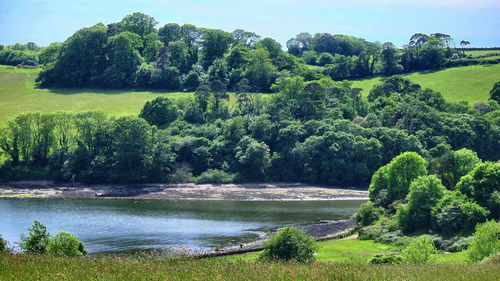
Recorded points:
(236, 192)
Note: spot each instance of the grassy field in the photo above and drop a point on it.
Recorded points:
(469, 83)
(18, 94)
(479, 53)
(38, 267)
(354, 251)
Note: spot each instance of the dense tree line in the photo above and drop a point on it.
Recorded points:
(135, 53)
(318, 131)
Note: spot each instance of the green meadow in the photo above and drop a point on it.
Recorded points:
(465, 83)
(18, 94)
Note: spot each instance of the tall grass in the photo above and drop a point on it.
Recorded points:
(37, 267)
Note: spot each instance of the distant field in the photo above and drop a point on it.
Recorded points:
(482, 53)
(18, 94)
(469, 83)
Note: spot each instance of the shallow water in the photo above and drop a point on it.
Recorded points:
(115, 225)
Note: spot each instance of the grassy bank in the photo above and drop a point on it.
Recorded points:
(36, 267)
(468, 83)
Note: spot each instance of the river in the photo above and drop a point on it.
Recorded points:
(117, 225)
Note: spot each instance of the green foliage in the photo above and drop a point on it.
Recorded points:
(420, 251)
(290, 244)
(368, 213)
(483, 185)
(214, 176)
(37, 240)
(3, 244)
(160, 111)
(66, 244)
(495, 92)
(424, 194)
(457, 213)
(385, 259)
(391, 182)
(486, 241)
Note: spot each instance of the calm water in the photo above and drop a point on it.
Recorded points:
(119, 225)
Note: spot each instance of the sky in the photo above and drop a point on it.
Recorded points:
(46, 21)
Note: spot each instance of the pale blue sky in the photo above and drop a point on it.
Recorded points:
(46, 21)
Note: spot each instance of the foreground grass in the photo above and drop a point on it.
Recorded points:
(352, 251)
(466, 83)
(36, 267)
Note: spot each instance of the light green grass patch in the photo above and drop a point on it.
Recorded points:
(466, 83)
(480, 53)
(352, 250)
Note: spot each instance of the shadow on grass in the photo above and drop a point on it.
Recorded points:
(72, 91)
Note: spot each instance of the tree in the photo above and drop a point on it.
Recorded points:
(81, 61)
(389, 59)
(260, 71)
(464, 43)
(424, 193)
(124, 59)
(246, 38)
(214, 45)
(253, 158)
(483, 185)
(271, 46)
(170, 32)
(138, 23)
(160, 111)
(37, 239)
(392, 181)
(218, 89)
(66, 244)
(495, 92)
(290, 243)
(131, 146)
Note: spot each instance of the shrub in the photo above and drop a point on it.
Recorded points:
(386, 259)
(290, 243)
(3, 244)
(37, 239)
(368, 213)
(160, 111)
(66, 244)
(486, 241)
(214, 176)
(419, 251)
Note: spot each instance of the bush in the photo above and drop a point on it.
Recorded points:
(66, 244)
(214, 176)
(386, 259)
(486, 241)
(368, 213)
(3, 244)
(419, 251)
(290, 243)
(37, 239)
